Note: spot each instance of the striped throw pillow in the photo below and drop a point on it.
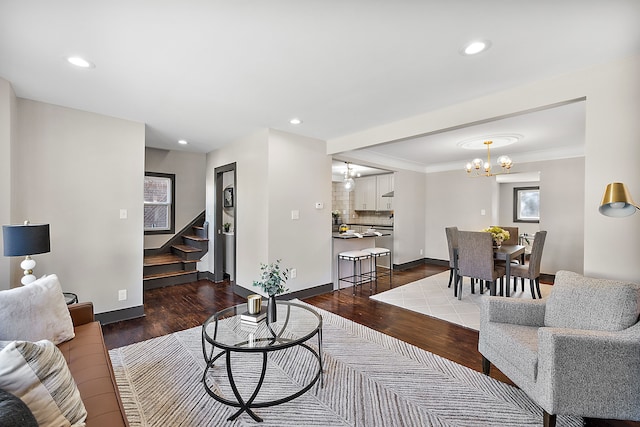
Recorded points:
(38, 374)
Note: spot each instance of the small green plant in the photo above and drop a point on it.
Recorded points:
(273, 278)
(226, 226)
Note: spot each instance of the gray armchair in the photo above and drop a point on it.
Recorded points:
(575, 353)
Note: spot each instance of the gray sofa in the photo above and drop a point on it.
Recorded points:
(576, 352)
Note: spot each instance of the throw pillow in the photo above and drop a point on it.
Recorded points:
(35, 312)
(580, 302)
(14, 413)
(37, 373)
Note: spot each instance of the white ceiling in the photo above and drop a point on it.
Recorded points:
(212, 71)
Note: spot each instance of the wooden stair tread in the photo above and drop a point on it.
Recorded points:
(186, 248)
(161, 259)
(196, 238)
(169, 274)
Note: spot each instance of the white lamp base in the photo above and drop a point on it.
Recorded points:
(28, 265)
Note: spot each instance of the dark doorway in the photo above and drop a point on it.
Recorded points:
(225, 224)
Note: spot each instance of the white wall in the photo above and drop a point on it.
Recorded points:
(300, 176)
(251, 191)
(612, 245)
(454, 199)
(7, 125)
(75, 170)
(409, 205)
(190, 172)
(612, 93)
(276, 173)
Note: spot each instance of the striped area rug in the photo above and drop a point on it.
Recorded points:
(370, 379)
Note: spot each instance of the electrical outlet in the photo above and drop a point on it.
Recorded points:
(293, 273)
(123, 214)
(122, 295)
(295, 214)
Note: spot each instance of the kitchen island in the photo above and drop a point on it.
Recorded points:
(351, 242)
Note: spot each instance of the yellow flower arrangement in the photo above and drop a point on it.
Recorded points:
(498, 234)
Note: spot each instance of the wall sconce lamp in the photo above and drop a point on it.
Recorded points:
(26, 240)
(617, 201)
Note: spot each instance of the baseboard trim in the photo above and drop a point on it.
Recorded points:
(119, 315)
(434, 261)
(408, 265)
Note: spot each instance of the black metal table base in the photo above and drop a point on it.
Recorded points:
(275, 343)
(249, 404)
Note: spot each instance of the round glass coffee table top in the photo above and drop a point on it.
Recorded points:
(295, 323)
(227, 332)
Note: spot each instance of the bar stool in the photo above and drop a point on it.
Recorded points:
(357, 278)
(373, 272)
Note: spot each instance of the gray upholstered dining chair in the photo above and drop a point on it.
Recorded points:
(475, 260)
(531, 270)
(452, 243)
(576, 352)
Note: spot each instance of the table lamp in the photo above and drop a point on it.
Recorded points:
(26, 240)
(617, 201)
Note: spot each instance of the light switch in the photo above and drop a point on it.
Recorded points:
(483, 212)
(123, 214)
(295, 214)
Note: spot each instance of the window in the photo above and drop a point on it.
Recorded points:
(526, 204)
(159, 209)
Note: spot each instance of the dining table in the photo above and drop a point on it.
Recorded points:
(506, 253)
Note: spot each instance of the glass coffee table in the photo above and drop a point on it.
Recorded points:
(225, 334)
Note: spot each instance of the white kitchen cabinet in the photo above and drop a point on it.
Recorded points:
(384, 184)
(365, 193)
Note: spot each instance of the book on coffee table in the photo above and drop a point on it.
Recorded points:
(254, 318)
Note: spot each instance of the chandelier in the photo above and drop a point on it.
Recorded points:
(480, 168)
(349, 174)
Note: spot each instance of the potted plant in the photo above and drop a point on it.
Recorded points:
(226, 226)
(272, 282)
(497, 234)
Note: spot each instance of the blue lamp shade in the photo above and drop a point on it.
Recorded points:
(22, 240)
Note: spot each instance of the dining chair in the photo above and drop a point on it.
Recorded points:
(531, 270)
(475, 260)
(452, 243)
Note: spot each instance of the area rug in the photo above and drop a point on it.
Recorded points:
(370, 379)
(432, 297)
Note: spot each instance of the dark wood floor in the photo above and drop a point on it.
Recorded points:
(180, 307)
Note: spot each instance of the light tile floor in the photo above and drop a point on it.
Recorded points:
(432, 297)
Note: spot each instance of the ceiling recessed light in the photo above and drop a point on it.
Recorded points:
(182, 142)
(80, 62)
(476, 47)
(295, 121)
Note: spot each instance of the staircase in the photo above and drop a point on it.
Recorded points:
(175, 263)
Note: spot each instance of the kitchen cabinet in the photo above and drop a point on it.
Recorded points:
(384, 184)
(365, 193)
(369, 190)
